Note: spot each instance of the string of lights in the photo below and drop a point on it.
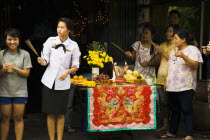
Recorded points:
(83, 21)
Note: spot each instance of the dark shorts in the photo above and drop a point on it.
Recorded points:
(54, 101)
(13, 100)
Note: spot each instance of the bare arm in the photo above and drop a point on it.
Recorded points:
(67, 72)
(160, 50)
(131, 55)
(23, 72)
(72, 70)
(165, 54)
(20, 72)
(191, 63)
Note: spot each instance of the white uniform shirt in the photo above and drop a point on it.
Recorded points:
(59, 61)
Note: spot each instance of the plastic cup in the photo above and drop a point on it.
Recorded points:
(149, 81)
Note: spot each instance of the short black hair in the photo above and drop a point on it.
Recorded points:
(174, 26)
(150, 27)
(175, 12)
(69, 23)
(183, 33)
(15, 33)
(12, 32)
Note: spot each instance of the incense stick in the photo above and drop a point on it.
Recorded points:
(117, 47)
(28, 42)
(151, 42)
(32, 47)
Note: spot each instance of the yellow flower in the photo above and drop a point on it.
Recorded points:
(111, 59)
(101, 65)
(103, 54)
(97, 57)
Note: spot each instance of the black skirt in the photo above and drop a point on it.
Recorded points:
(54, 101)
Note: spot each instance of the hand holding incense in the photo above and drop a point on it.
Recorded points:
(28, 42)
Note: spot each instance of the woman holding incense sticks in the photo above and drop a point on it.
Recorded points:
(61, 56)
(13, 84)
(143, 51)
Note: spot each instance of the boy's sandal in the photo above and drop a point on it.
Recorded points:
(166, 136)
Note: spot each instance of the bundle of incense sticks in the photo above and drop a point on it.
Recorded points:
(28, 42)
(151, 42)
(117, 47)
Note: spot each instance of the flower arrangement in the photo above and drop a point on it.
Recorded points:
(97, 55)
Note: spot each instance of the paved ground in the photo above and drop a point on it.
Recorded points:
(35, 129)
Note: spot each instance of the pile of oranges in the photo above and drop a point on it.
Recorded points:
(78, 79)
(89, 83)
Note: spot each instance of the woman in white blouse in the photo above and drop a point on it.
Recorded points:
(61, 56)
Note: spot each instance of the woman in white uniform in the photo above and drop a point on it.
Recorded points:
(61, 56)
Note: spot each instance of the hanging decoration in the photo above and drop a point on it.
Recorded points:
(83, 21)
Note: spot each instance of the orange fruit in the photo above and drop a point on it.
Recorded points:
(76, 81)
(72, 80)
(75, 77)
(80, 77)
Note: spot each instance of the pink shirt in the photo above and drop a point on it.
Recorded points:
(180, 76)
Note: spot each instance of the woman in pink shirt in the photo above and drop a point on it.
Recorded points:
(143, 51)
(181, 82)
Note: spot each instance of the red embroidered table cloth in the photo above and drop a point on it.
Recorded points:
(121, 108)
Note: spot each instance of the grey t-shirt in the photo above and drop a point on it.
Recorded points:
(11, 84)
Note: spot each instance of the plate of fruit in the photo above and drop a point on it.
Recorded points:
(78, 79)
(101, 78)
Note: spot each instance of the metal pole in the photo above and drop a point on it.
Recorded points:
(201, 36)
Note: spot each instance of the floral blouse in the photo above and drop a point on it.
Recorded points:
(180, 76)
(163, 69)
(142, 55)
